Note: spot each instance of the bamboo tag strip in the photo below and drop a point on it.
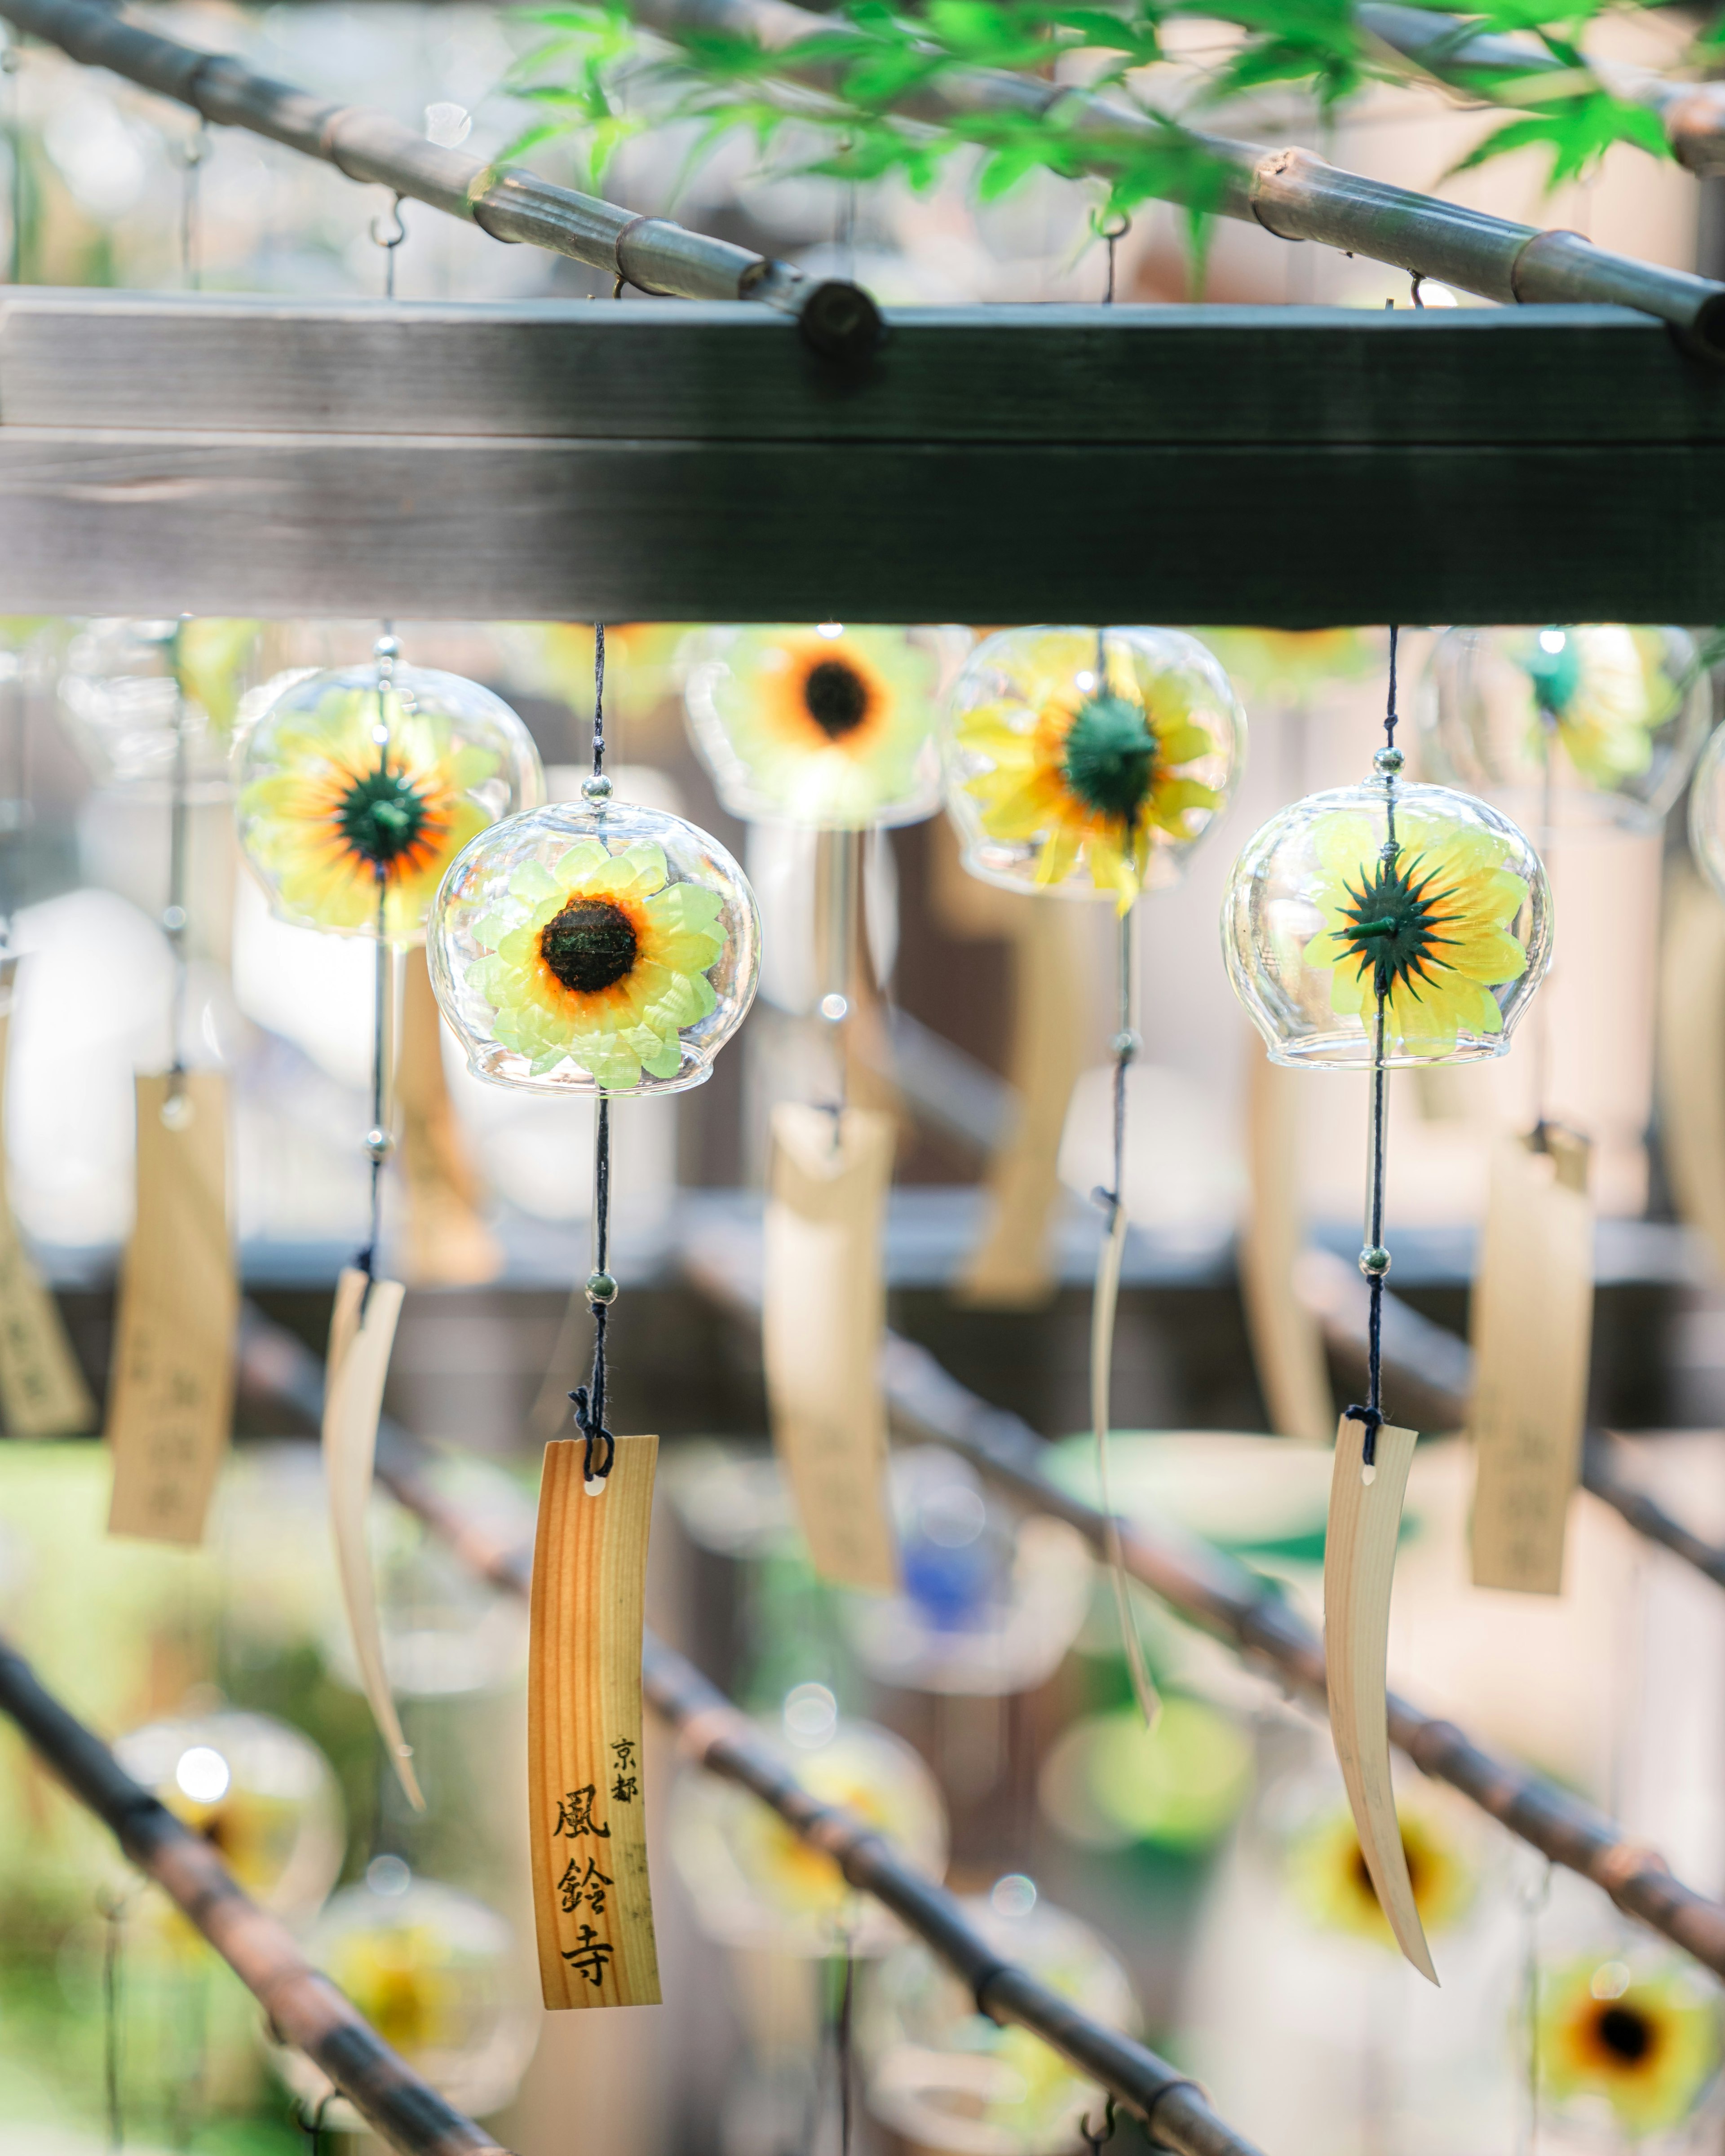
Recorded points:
(1533, 1328)
(1286, 1341)
(1359, 1565)
(593, 1899)
(42, 1390)
(823, 1321)
(361, 1333)
(170, 1408)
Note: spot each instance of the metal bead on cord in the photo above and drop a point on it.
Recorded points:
(1374, 1258)
(589, 1399)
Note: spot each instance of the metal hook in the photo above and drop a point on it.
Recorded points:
(1419, 280)
(389, 237)
(1111, 230)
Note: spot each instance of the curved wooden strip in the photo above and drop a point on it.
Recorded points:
(1360, 1566)
(361, 1333)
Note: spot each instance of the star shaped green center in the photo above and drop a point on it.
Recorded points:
(382, 815)
(1392, 924)
(1110, 762)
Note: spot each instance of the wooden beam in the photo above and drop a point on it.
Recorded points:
(638, 460)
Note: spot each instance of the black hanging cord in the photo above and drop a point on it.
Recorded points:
(589, 1399)
(380, 1139)
(1374, 1258)
(176, 917)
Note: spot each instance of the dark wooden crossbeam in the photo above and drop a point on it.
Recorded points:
(642, 461)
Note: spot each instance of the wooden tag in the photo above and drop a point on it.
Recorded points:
(1103, 1305)
(42, 1390)
(823, 1323)
(1692, 1054)
(1359, 1564)
(1287, 1343)
(361, 1333)
(445, 1243)
(592, 1901)
(1532, 1333)
(171, 1402)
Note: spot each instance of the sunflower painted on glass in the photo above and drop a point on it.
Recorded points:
(828, 727)
(1328, 1878)
(402, 1979)
(367, 800)
(1601, 689)
(1426, 926)
(1647, 2043)
(1096, 770)
(600, 960)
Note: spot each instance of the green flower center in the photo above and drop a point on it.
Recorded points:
(1554, 667)
(1626, 2033)
(1111, 755)
(382, 816)
(837, 697)
(1392, 924)
(591, 945)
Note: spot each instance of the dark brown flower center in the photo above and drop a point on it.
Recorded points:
(837, 697)
(591, 945)
(1625, 2032)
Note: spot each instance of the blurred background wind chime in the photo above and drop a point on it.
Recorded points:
(1389, 924)
(1089, 763)
(358, 788)
(597, 948)
(826, 735)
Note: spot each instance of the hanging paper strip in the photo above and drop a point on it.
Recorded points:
(41, 1392)
(170, 1408)
(1533, 1333)
(1359, 1561)
(361, 1333)
(592, 1901)
(1287, 1344)
(444, 1243)
(1692, 1054)
(825, 1315)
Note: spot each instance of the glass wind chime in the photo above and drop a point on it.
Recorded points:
(599, 949)
(359, 787)
(1380, 926)
(1089, 763)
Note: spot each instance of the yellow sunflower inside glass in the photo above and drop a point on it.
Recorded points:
(830, 726)
(1425, 926)
(1601, 689)
(600, 960)
(1646, 2043)
(358, 794)
(1328, 1878)
(1073, 768)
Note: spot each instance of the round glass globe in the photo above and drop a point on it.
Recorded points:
(1093, 780)
(129, 690)
(755, 1886)
(258, 1789)
(439, 1975)
(359, 786)
(594, 948)
(1458, 917)
(942, 2075)
(821, 725)
(1612, 715)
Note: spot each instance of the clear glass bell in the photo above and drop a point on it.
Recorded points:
(1434, 896)
(1607, 716)
(595, 947)
(823, 724)
(260, 1790)
(1089, 762)
(440, 1976)
(754, 1885)
(142, 700)
(942, 2075)
(359, 786)
(1706, 812)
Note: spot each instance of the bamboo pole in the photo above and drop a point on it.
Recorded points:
(838, 320)
(302, 2006)
(1244, 1610)
(1291, 192)
(712, 1731)
(1430, 1360)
